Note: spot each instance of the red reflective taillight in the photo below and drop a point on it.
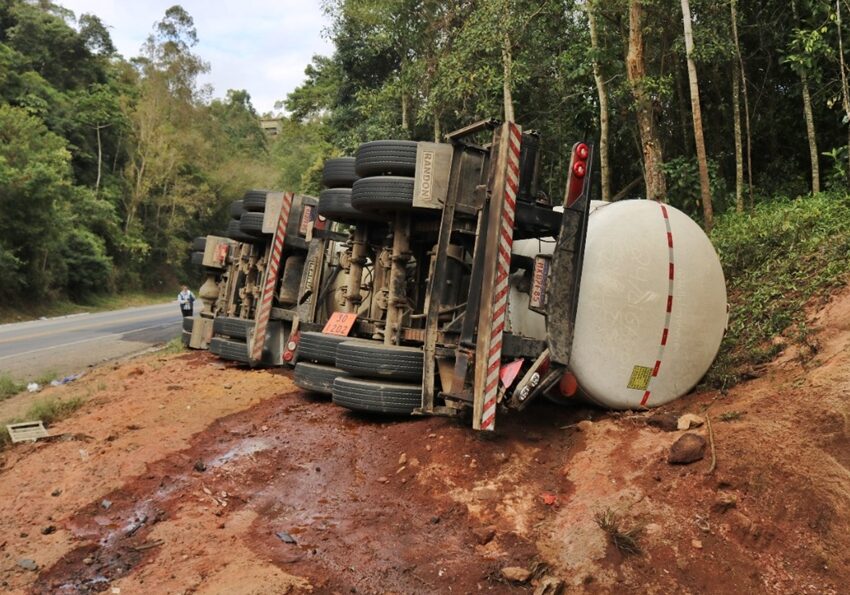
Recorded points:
(579, 169)
(582, 151)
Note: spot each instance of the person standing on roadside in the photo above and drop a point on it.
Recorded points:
(186, 301)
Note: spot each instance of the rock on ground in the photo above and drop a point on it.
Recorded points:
(689, 448)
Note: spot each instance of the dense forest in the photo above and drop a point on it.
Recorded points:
(769, 80)
(109, 165)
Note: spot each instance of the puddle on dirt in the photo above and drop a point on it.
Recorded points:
(246, 447)
(361, 516)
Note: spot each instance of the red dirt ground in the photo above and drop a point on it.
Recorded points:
(183, 475)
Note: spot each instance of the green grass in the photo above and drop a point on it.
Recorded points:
(49, 410)
(173, 346)
(777, 258)
(9, 387)
(45, 378)
(18, 313)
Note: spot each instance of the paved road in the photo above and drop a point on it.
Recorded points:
(72, 343)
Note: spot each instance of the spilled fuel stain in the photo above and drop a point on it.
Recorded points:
(332, 499)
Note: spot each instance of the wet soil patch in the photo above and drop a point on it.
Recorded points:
(348, 501)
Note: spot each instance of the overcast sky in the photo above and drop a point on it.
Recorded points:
(259, 45)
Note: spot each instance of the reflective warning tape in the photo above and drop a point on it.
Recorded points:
(501, 287)
(671, 274)
(264, 310)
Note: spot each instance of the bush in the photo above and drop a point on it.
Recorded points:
(8, 387)
(51, 410)
(89, 267)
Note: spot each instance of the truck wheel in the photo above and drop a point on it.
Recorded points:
(236, 351)
(377, 396)
(187, 323)
(319, 347)
(372, 359)
(252, 224)
(234, 232)
(235, 328)
(339, 173)
(315, 377)
(197, 258)
(254, 201)
(383, 193)
(236, 209)
(185, 337)
(199, 244)
(396, 157)
(335, 204)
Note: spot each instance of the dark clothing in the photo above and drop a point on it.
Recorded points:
(186, 301)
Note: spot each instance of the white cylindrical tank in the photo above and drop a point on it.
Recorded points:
(652, 306)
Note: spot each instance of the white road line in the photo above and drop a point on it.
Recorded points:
(97, 338)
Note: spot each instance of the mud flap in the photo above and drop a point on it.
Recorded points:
(563, 287)
(270, 279)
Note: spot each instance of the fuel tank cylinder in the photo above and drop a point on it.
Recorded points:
(652, 305)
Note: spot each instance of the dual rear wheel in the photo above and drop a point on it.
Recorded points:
(359, 374)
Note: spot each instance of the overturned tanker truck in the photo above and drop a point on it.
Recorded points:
(253, 273)
(451, 285)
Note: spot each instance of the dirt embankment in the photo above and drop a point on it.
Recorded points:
(184, 475)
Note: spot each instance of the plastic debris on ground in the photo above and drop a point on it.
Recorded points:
(66, 379)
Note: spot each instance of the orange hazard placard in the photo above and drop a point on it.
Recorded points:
(340, 323)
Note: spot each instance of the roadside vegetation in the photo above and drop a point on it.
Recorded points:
(93, 303)
(779, 258)
(9, 387)
(173, 346)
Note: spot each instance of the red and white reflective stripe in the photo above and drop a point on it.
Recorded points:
(501, 287)
(665, 334)
(264, 310)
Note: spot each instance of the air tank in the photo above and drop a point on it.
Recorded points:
(652, 306)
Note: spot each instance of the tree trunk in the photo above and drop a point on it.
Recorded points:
(699, 140)
(99, 159)
(810, 132)
(745, 93)
(739, 149)
(656, 187)
(135, 194)
(845, 99)
(507, 66)
(438, 130)
(404, 122)
(683, 108)
(603, 108)
(810, 121)
(117, 150)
